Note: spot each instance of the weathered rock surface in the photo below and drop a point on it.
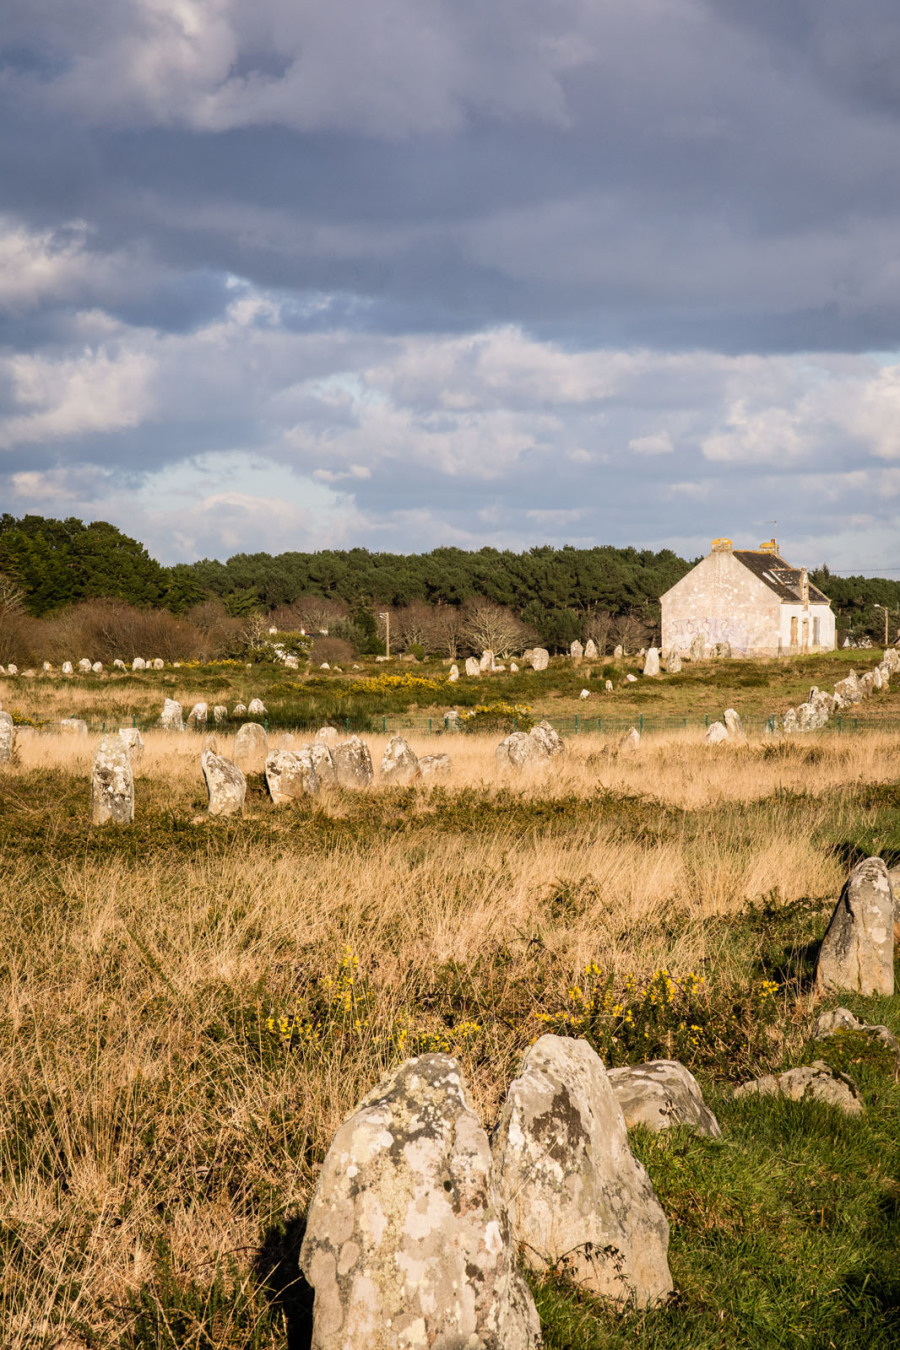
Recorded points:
(330, 735)
(857, 951)
(651, 661)
(472, 666)
(716, 733)
(97, 667)
(158, 663)
(660, 1094)
(198, 715)
(548, 739)
(256, 708)
(842, 1019)
(251, 745)
(486, 661)
(585, 693)
(848, 690)
(171, 718)
(698, 647)
(133, 741)
(407, 1246)
(609, 686)
(320, 754)
(629, 742)
(226, 785)
(630, 679)
(290, 775)
(811, 1082)
(540, 658)
(673, 663)
(723, 651)
(590, 650)
(516, 750)
(239, 710)
(577, 1197)
(139, 663)
(576, 651)
(7, 735)
(84, 666)
(112, 784)
(220, 714)
(67, 668)
(454, 674)
(435, 766)
(352, 763)
(73, 726)
(399, 763)
(733, 725)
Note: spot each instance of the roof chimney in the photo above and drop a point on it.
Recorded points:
(721, 546)
(768, 546)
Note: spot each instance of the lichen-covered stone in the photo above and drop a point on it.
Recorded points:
(290, 775)
(651, 661)
(811, 1082)
(698, 647)
(716, 733)
(540, 658)
(435, 766)
(673, 663)
(220, 714)
(486, 661)
(330, 735)
(133, 741)
(67, 668)
(112, 784)
(578, 1199)
(73, 726)
(629, 742)
(848, 690)
(158, 663)
(323, 763)
(171, 717)
(352, 763)
(733, 725)
(7, 735)
(842, 1020)
(84, 666)
(256, 708)
(857, 952)
(399, 763)
(549, 740)
(576, 651)
(251, 745)
(517, 750)
(660, 1094)
(472, 666)
(226, 785)
(406, 1244)
(590, 650)
(239, 710)
(198, 716)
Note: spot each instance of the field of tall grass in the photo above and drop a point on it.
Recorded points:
(190, 1007)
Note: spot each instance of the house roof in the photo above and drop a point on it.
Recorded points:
(778, 575)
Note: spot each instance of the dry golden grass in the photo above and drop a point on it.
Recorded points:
(145, 1100)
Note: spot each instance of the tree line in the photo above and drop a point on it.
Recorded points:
(445, 601)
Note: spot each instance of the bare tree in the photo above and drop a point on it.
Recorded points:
(494, 628)
(599, 626)
(312, 613)
(12, 597)
(412, 625)
(629, 630)
(448, 623)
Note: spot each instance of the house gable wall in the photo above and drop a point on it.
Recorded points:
(724, 600)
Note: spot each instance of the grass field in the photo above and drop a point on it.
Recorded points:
(190, 1008)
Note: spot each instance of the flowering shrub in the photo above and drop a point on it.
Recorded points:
(497, 717)
(377, 684)
(664, 1018)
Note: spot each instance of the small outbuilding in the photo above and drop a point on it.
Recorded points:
(751, 599)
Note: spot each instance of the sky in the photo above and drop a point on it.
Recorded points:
(285, 274)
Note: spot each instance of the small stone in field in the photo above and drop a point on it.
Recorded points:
(435, 766)
(84, 666)
(158, 663)
(7, 735)
(352, 763)
(198, 715)
(226, 785)
(290, 775)
(830, 1024)
(170, 719)
(251, 746)
(857, 951)
(579, 1201)
(407, 1244)
(609, 686)
(220, 714)
(585, 693)
(399, 763)
(660, 1094)
(811, 1082)
(716, 733)
(97, 667)
(630, 679)
(239, 710)
(66, 668)
(73, 726)
(139, 663)
(256, 708)
(330, 735)
(629, 742)
(112, 784)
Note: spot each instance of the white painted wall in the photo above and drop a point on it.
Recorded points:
(823, 613)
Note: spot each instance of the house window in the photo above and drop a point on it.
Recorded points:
(794, 630)
(816, 631)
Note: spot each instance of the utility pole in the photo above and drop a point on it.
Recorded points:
(387, 631)
(886, 634)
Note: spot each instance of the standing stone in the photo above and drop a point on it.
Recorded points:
(549, 740)
(112, 784)
(590, 650)
(848, 690)
(7, 735)
(540, 658)
(256, 708)
(486, 661)
(158, 663)
(139, 663)
(407, 1245)
(651, 661)
(352, 763)
(698, 647)
(673, 663)
(84, 666)
(454, 674)
(170, 719)
(716, 733)
(789, 723)
(733, 725)
(286, 741)
(435, 766)
(660, 1094)
(576, 651)
(220, 714)
(618, 651)
(608, 686)
(66, 668)
(133, 741)
(197, 716)
(399, 763)
(453, 721)
(290, 775)
(723, 651)
(251, 746)
(857, 951)
(118, 664)
(630, 679)
(577, 1197)
(472, 666)
(73, 726)
(330, 735)
(97, 667)
(630, 741)
(320, 754)
(585, 693)
(239, 710)
(517, 750)
(513, 668)
(210, 743)
(226, 785)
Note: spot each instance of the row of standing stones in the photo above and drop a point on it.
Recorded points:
(418, 1216)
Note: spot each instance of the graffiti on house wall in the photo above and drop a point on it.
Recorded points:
(681, 633)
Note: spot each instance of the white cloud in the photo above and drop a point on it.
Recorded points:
(657, 443)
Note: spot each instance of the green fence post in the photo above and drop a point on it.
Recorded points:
(348, 725)
(265, 719)
(429, 726)
(856, 724)
(103, 728)
(516, 722)
(576, 724)
(706, 719)
(384, 724)
(599, 725)
(684, 723)
(133, 720)
(641, 721)
(840, 725)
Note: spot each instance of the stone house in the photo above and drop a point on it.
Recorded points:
(750, 598)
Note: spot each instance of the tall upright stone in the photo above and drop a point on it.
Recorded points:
(171, 718)
(590, 650)
(651, 661)
(197, 717)
(133, 741)
(226, 785)
(540, 658)
(251, 745)
(472, 666)
(857, 952)
(673, 663)
(576, 651)
(112, 784)
(323, 763)
(407, 1245)
(352, 763)
(698, 647)
(578, 1199)
(399, 763)
(486, 661)
(7, 735)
